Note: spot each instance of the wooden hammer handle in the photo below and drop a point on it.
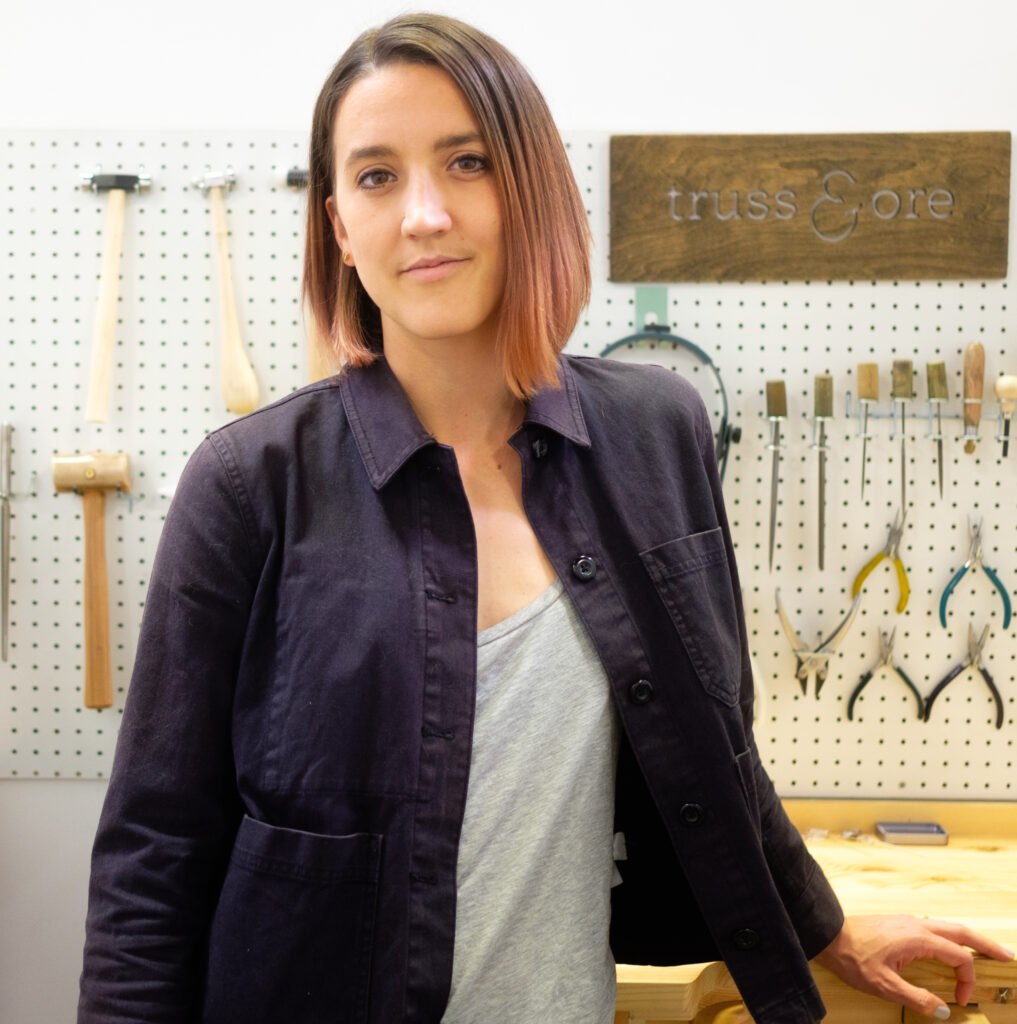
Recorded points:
(104, 333)
(239, 386)
(98, 672)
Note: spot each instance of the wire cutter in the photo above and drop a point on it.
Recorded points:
(974, 660)
(890, 552)
(975, 559)
(815, 660)
(885, 661)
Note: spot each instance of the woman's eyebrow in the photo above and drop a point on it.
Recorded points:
(445, 142)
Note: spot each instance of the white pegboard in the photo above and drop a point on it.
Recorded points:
(166, 396)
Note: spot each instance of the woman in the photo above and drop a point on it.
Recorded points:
(440, 651)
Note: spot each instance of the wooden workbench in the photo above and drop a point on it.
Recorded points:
(973, 879)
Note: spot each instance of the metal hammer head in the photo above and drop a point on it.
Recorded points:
(92, 471)
(225, 180)
(98, 182)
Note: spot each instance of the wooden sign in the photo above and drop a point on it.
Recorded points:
(809, 207)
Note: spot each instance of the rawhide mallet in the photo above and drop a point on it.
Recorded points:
(116, 186)
(92, 474)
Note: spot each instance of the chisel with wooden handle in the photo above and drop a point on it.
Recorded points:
(902, 390)
(239, 385)
(938, 394)
(823, 409)
(1006, 393)
(974, 382)
(116, 186)
(776, 410)
(868, 392)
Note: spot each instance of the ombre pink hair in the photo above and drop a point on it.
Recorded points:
(547, 235)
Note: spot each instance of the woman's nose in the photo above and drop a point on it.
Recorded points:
(426, 211)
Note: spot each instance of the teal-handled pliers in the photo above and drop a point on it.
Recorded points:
(975, 559)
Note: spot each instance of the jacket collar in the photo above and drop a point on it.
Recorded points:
(387, 431)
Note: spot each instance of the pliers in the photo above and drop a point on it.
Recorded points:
(974, 660)
(890, 552)
(975, 559)
(815, 660)
(885, 661)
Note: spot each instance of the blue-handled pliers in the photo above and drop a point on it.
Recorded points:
(975, 559)
(974, 660)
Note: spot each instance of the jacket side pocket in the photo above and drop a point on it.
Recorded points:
(692, 578)
(292, 934)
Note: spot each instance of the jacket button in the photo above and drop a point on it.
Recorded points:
(745, 939)
(692, 815)
(584, 568)
(641, 691)
(539, 448)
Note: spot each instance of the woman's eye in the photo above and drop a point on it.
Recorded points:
(471, 162)
(373, 179)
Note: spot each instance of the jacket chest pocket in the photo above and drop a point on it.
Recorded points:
(291, 936)
(692, 578)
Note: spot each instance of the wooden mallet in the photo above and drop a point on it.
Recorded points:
(93, 474)
(116, 187)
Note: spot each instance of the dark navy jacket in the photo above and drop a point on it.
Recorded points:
(279, 839)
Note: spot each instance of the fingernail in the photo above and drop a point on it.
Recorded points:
(1008, 952)
(942, 1013)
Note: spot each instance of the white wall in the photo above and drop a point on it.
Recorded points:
(643, 66)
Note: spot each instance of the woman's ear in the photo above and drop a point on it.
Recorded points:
(337, 225)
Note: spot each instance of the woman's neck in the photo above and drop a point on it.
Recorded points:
(459, 393)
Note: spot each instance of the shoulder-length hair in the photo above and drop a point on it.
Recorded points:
(547, 235)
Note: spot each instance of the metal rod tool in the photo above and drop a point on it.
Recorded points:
(938, 394)
(776, 410)
(1006, 392)
(5, 533)
(902, 390)
(116, 186)
(823, 411)
(974, 382)
(868, 392)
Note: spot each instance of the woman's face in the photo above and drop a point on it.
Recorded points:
(416, 206)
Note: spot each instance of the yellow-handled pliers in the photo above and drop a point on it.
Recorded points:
(890, 552)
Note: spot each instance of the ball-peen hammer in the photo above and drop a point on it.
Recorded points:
(115, 186)
(92, 474)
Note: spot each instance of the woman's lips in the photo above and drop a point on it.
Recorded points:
(433, 268)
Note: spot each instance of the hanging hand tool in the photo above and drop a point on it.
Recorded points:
(116, 187)
(885, 661)
(902, 391)
(938, 394)
(776, 410)
(5, 533)
(974, 381)
(823, 411)
(974, 660)
(889, 552)
(91, 475)
(320, 357)
(975, 559)
(868, 392)
(239, 385)
(815, 660)
(1006, 392)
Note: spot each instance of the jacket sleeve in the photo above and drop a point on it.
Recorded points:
(171, 810)
(805, 891)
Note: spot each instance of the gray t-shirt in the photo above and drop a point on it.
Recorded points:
(535, 862)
